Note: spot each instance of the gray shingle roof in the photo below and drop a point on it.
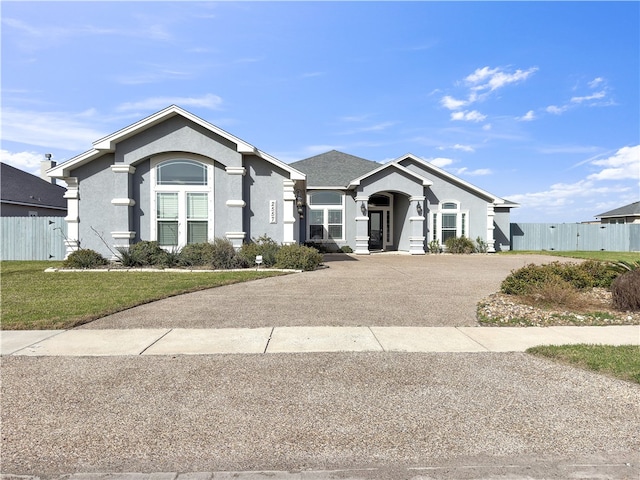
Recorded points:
(333, 169)
(21, 187)
(630, 210)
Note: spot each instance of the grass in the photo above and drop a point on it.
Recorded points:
(621, 361)
(602, 256)
(35, 300)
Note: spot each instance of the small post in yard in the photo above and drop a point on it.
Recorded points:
(258, 261)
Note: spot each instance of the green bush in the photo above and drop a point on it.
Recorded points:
(346, 249)
(144, 254)
(298, 257)
(625, 291)
(481, 245)
(265, 246)
(434, 246)
(84, 258)
(224, 256)
(459, 245)
(196, 255)
(580, 276)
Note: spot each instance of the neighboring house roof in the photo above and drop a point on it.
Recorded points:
(108, 143)
(21, 188)
(334, 169)
(631, 210)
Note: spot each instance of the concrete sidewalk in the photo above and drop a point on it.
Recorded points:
(182, 341)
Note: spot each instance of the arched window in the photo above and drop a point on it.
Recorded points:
(449, 221)
(326, 216)
(182, 202)
(182, 172)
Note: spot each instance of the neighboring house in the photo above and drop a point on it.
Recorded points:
(177, 179)
(25, 195)
(627, 214)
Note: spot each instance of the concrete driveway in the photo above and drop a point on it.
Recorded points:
(376, 290)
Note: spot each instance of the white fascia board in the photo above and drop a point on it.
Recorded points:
(425, 182)
(64, 169)
(494, 198)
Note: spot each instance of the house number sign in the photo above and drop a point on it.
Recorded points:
(272, 211)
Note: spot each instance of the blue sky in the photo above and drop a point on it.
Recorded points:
(537, 102)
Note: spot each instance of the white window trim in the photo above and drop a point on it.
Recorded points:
(458, 211)
(325, 225)
(182, 195)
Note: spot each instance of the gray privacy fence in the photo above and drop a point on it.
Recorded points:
(32, 238)
(575, 236)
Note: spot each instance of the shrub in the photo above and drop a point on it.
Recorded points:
(265, 246)
(434, 246)
(84, 258)
(298, 257)
(580, 276)
(346, 249)
(625, 291)
(525, 279)
(224, 256)
(196, 255)
(481, 245)
(143, 254)
(459, 245)
(554, 292)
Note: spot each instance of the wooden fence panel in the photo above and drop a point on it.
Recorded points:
(32, 238)
(575, 236)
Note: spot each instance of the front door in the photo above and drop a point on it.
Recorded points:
(375, 230)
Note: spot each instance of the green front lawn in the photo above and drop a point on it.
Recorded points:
(620, 361)
(35, 300)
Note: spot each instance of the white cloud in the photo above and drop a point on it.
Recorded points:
(595, 82)
(594, 96)
(527, 117)
(440, 162)
(625, 164)
(27, 161)
(494, 78)
(556, 110)
(464, 171)
(62, 130)
(468, 116)
(457, 146)
(209, 100)
(616, 184)
(451, 103)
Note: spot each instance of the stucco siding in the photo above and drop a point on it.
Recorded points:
(177, 134)
(263, 183)
(142, 213)
(96, 213)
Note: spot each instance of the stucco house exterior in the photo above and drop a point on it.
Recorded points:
(177, 179)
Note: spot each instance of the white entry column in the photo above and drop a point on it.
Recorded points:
(362, 225)
(416, 221)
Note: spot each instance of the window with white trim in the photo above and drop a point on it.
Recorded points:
(326, 216)
(182, 202)
(450, 222)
